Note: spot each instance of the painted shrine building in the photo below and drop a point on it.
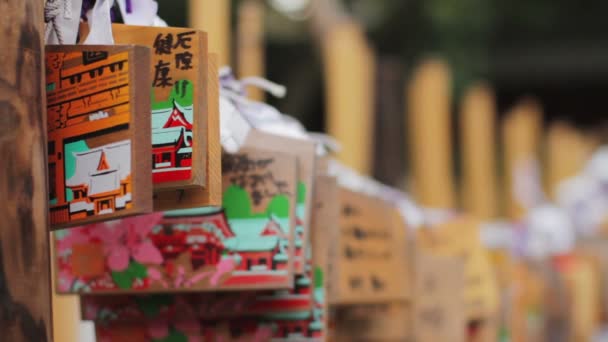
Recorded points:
(101, 183)
(205, 247)
(266, 252)
(199, 235)
(171, 141)
(258, 254)
(206, 237)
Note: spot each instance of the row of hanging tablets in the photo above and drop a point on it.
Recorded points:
(233, 224)
(145, 207)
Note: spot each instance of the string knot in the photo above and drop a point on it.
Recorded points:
(51, 10)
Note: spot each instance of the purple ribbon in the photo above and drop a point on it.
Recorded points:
(129, 8)
(86, 6)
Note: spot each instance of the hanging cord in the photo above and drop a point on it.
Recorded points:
(230, 84)
(329, 143)
(257, 112)
(252, 111)
(275, 89)
(52, 9)
(263, 116)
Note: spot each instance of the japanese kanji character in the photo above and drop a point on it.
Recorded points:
(183, 39)
(183, 60)
(163, 46)
(161, 75)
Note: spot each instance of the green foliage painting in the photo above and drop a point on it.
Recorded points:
(70, 162)
(318, 277)
(237, 204)
(278, 206)
(181, 92)
(125, 279)
(301, 193)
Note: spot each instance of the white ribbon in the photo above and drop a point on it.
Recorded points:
(597, 167)
(580, 209)
(550, 232)
(325, 143)
(238, 114)
(527, 188)
(549, 228)
(100, 24)
(497, 235)
(233, 126)
(585, 196)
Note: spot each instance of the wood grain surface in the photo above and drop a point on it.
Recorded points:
(25, 304)
(211, 194)
(429, 135)
(195, 73)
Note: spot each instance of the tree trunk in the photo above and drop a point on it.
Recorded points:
(25, 306)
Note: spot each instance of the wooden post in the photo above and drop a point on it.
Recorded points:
(66, 311)
(567, 151)
(479, 188)
(25, 304)
(520, 140)
(429, 132)
(478, 130)
(213, 17)
(349, 67)
(521, 135)
(250, 40)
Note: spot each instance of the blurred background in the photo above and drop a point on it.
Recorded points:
(554, 50)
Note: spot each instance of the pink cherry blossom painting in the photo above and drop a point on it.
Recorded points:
(188, 250)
